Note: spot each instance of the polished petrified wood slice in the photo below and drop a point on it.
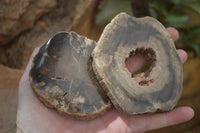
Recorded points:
(157, 88)
(62, 77)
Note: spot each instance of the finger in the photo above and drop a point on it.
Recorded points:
(25, 76)
(135, 63)
(182, 54)
(146, 122)
(176, 116)
(174, 33)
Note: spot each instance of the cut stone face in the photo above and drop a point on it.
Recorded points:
(62, 77)
(157, 88)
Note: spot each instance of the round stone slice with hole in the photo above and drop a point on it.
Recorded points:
(62, 77)
(125, 44)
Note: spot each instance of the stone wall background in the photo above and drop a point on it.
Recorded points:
(27, 24)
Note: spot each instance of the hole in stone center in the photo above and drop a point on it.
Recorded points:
(141, 60)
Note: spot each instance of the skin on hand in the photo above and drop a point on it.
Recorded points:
(34, 117)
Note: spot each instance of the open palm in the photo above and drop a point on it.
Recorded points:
(34, 117)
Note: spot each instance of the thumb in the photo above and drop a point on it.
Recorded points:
(25, 76)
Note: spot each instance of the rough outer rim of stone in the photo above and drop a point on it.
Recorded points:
(133, 98)
(52, 104)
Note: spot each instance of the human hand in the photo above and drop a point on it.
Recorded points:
(34, 117)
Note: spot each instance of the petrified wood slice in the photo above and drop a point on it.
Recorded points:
(157, 88)
(62, 77)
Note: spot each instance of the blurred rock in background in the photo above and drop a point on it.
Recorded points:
(9, 80)
(19, 15)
